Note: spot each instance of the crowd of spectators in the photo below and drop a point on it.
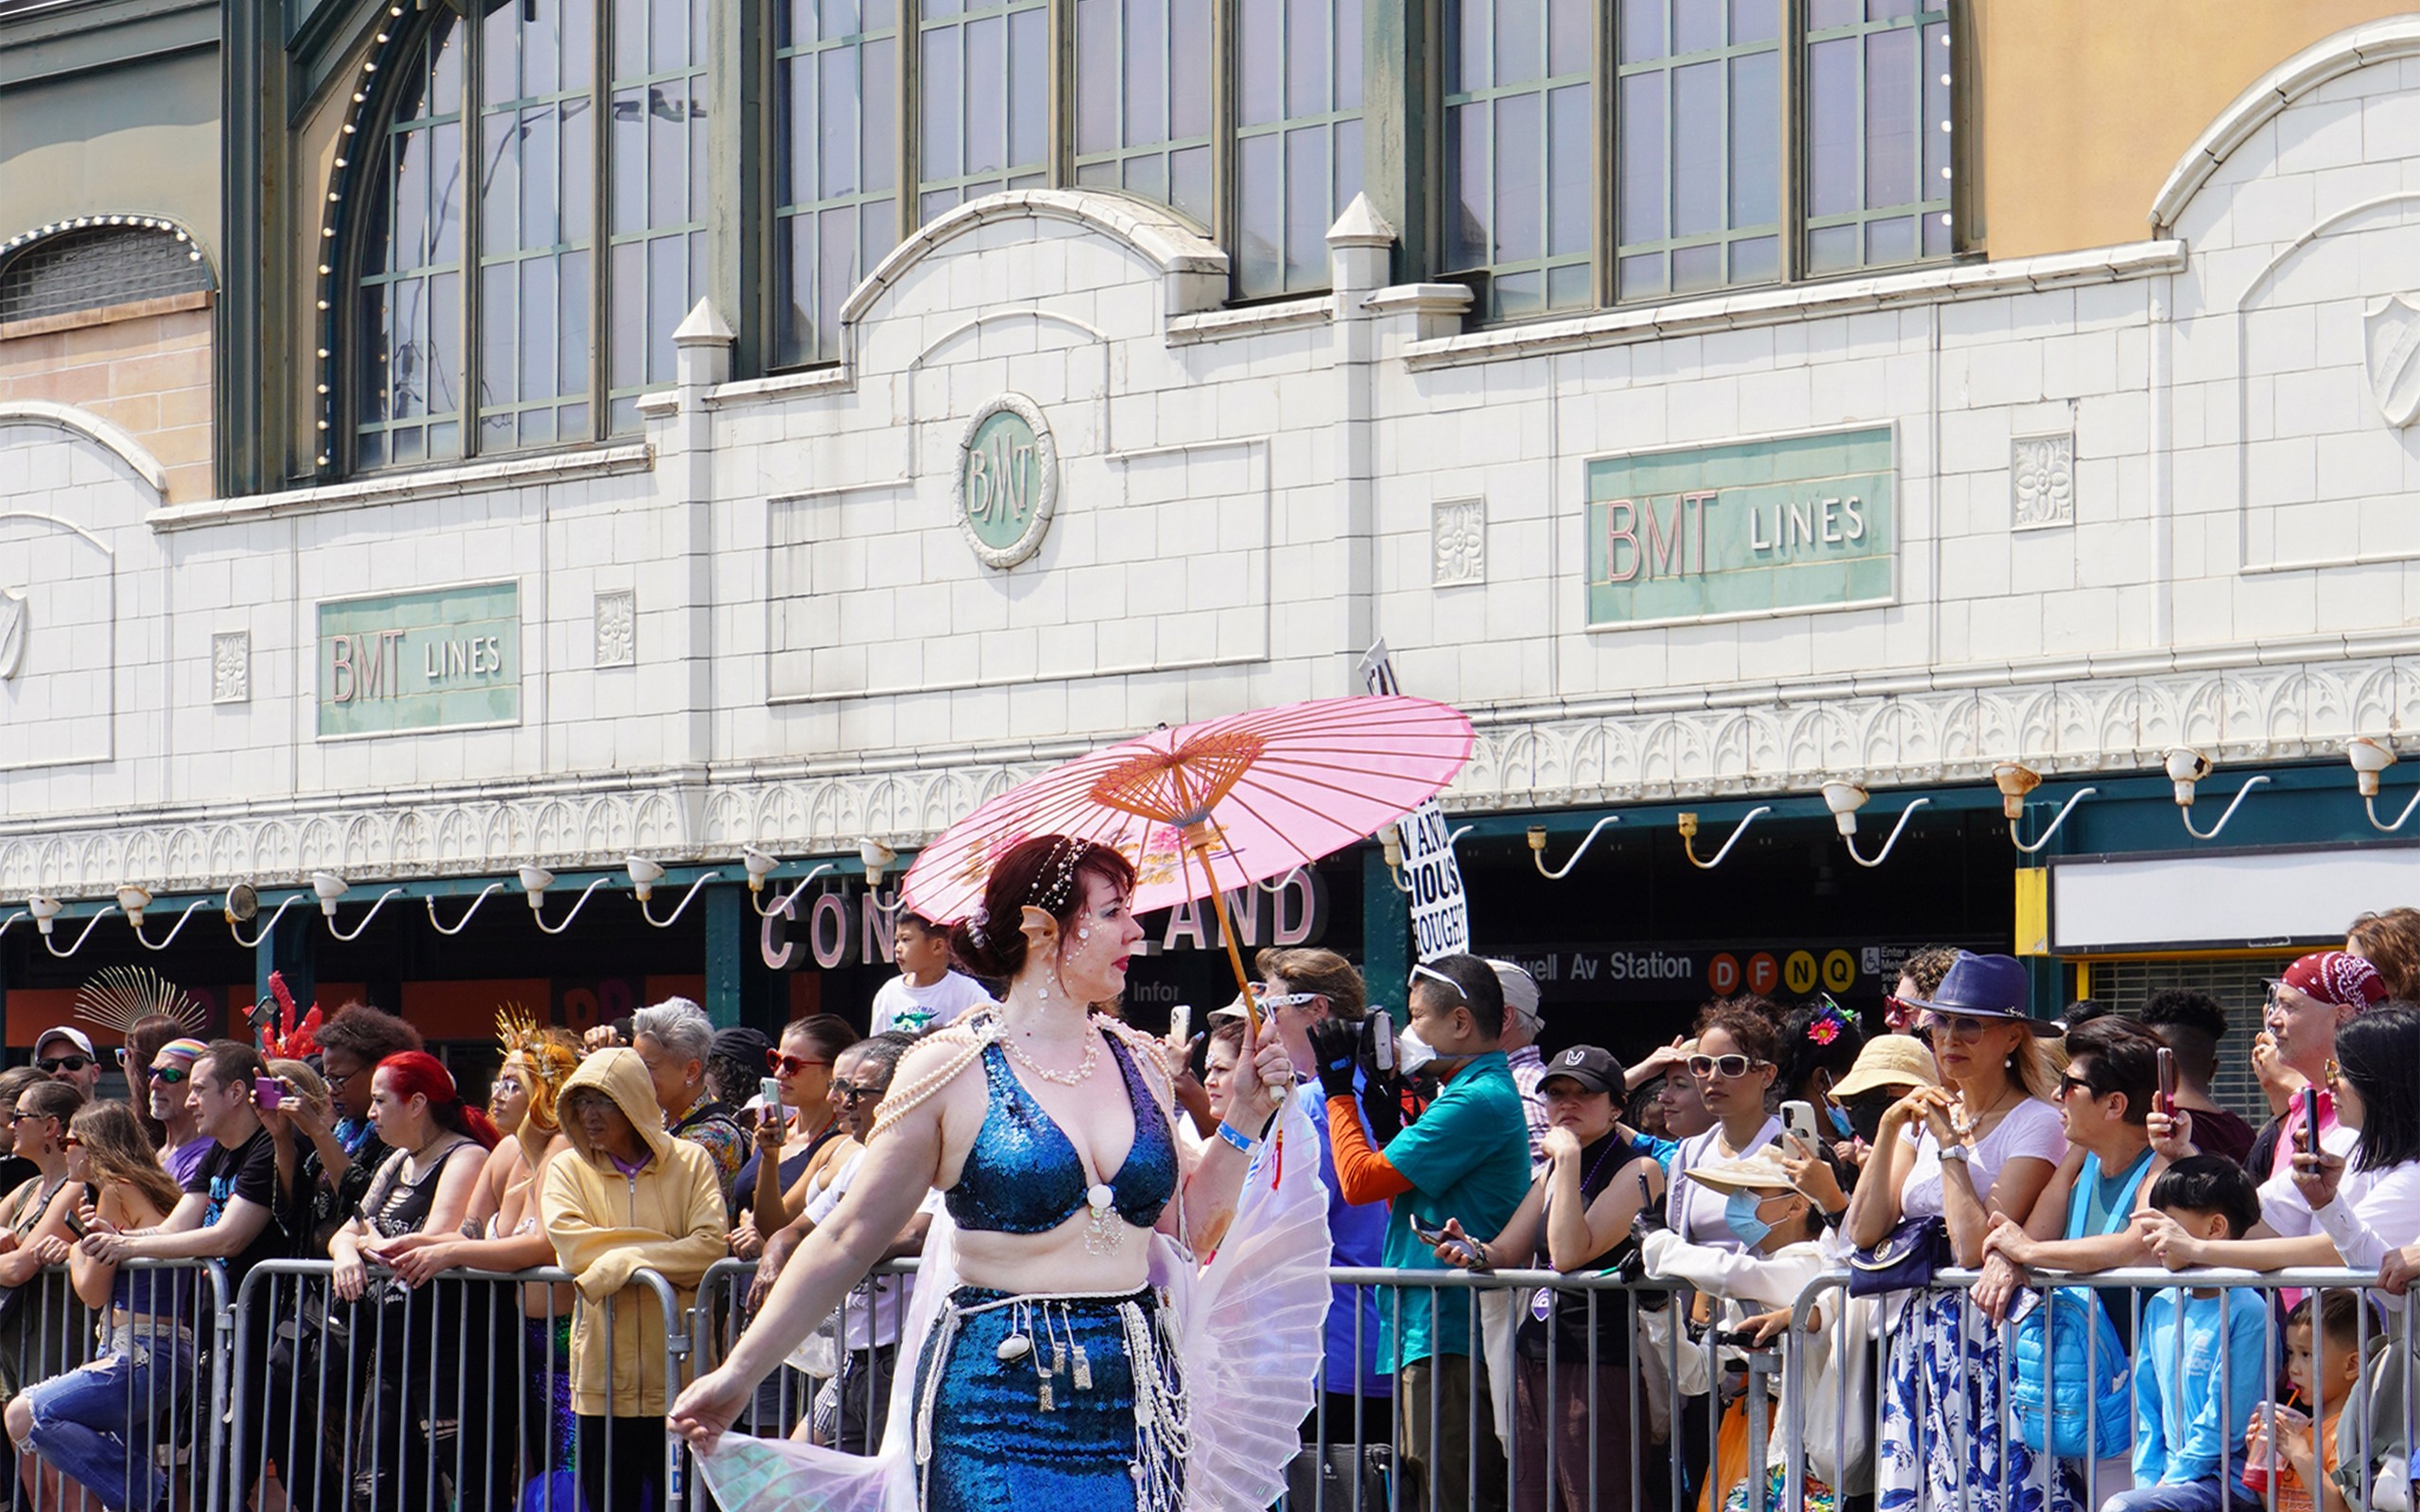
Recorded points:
(1691, 1196)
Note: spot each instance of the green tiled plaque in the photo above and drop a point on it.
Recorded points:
(1794, 524)
(438, 659)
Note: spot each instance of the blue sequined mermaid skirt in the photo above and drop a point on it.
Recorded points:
(1051, 1423)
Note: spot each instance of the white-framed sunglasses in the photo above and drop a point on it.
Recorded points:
(1435, 976)
(1281, 999)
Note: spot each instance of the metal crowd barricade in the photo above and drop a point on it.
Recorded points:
(457, 1396)
(1940, 1438)
(144, 1370)
(1585, 1435)
(836, 1389)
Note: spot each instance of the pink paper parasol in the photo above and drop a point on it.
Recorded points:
(1214, 805)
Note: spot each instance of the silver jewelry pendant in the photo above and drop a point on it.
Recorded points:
(1046, 1403)
(1083, 1372)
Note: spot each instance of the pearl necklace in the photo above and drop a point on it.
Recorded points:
(1063, 1078)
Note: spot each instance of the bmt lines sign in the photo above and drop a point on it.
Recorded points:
(1793, 523)
(443, 658)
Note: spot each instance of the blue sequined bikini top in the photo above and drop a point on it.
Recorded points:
(1023, 1176)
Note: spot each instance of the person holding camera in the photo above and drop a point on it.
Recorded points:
(1465, 1161)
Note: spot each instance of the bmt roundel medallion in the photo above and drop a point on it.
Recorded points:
(1008, 480)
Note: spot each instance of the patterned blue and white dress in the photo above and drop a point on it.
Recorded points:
(1944, 1446)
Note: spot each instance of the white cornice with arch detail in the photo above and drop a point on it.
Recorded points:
(2242, 705)
(91, 427)
(2330, 57)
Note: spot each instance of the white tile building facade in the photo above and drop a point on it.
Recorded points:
(2151, 494)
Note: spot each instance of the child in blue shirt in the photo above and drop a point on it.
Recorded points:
(2201, 1361)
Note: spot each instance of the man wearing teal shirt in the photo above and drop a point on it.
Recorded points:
(1467, 1158)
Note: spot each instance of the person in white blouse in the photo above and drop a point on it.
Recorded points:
(1981, 1145)
(2354, 1199)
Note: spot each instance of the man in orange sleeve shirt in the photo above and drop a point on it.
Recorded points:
(1467, 1158)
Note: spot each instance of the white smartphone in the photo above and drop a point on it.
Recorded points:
(1798, 1116)
(1382, 1039)
(769, 1088)
(1181, 1025)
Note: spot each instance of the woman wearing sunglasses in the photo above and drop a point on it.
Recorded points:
(1733, 1068)
(1983, 1145)
(802, 1137)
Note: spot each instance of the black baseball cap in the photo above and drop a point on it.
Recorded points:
(1593, 1069)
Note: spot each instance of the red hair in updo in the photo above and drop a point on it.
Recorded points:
(991, 945)
(417, 1074)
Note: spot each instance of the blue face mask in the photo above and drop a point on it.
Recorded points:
(1841, 1120)
(1739, 1215)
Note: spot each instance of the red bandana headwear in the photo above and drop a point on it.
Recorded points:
(2335, 977)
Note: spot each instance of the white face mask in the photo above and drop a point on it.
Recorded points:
(1413, 1052)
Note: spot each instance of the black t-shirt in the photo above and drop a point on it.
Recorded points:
(249, 1171)
(1568, 1310)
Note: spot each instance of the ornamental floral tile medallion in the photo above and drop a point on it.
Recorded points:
(617, 628)
(231, 666)
(2042, 481)
(1458, 537)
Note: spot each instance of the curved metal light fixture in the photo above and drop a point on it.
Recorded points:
(465, 922)
(1537, 838)
(1689, 835)
(2014, 780)
(535, 881)
(132, 901)
(330, 887)
(1389, 851)
(2187, 767)
(46, 911)
(2369, 758)
(645, 874)
(243, 905)
(1844, 799)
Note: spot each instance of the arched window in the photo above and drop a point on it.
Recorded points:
(99, 266)
(485, 320)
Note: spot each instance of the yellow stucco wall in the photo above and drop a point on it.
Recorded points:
(2086, 105)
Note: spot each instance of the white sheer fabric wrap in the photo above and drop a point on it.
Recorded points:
(1248, 1325)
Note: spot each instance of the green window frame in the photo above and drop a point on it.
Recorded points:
(476, 317)
(1143, 101)
(662, 190)
(1299, 93)
(836, 172)
(985, 70)
(1520, 152)
(1879, 174)
(1696, 210)
(408, 360)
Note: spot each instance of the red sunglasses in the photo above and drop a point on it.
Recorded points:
(781, 1065)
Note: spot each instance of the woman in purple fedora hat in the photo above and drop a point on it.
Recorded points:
(1983, 1142)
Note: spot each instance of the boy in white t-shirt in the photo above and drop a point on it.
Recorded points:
(926, 993)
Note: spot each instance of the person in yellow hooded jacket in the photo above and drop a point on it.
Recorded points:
(633, 1198)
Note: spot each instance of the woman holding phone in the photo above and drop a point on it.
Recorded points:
(793, 1133)
(2351, 1196)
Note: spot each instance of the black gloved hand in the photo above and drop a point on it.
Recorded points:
(1382, 1107)
(1335, 1044)
(1649, 1220)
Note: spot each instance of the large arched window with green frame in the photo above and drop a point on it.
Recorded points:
(536, 226)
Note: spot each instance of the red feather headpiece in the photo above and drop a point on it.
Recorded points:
(286, 1039)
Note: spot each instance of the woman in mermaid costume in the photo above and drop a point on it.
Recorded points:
(1070, 1350)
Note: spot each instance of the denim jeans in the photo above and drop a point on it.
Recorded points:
(2212, 1495)
(94, 1424)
